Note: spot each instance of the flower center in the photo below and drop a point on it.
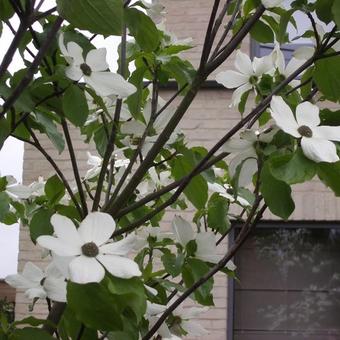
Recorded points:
(253, 80)
(230, 191)
(305, 131)
(86, 69)
(90, 249)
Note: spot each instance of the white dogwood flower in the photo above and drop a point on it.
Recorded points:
(135, 128)
(315, 140)
(306, 52)
(271, 3)
(152, 314)
(94, 70)
(186, 316)
(206, 243)
(246, 76)
(23, 192)
(90, 247)
(155, 10)
(226, 191)
(280, 64)
(243, 153)
(40, 284)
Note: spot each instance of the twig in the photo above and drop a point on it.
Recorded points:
(74, 166)
(32, 69)
(39, 147)
(245, 231)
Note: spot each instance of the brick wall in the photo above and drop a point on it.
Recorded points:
(208, 118)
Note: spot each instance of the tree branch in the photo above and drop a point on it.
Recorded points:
(74, 166)
(245, 231)
(32, 69)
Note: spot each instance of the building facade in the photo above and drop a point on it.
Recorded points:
(208, 119)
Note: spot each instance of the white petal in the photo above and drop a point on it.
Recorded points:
(271, 3)
(283, 116)
(118, 266)
(59, 247)
(193, 328)
(236, 145)
(73, 72)
(96, 59)
(20, 191)
(263, 65)
(122, 247)
(107, 83)
(206, 247)
(215, 187)
(154, 308)
(97, 227)
(33, 272)
(86, 269)
(37, 292)
(62, 263)
(293, 65)
(231, 79)
(239, 158)
(55, 289)
(248, 170)
(62, 46)
(279, 59)
(307, 114)
(20, 282)
(304, 52)
(183, 230)
(327, 132)
(65, 230)
(319, 150)
(243, 63)
(76, 52)
(133, 127)
(238, 93)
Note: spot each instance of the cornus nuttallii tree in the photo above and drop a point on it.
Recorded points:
(113, 272)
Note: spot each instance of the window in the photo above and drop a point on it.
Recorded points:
(289, 283)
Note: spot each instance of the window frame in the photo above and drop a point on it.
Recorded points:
(266, 224)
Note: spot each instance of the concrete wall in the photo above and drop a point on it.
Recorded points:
(208, 118)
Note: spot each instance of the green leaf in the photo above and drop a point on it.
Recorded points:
(197, 190)
(94, 305)
(292, 168)
(4, 205)
(101, 140)
(327, 76)
(5, 130)
(69, 327)
(172, 263)
(100, 16)
(181, 70)
(129, 295)
(75, 105)
(218, 207)
(336, 12)
(262, 33)
(323, 9)
(277, 194)
(40, 224)
(6, 10)
(51, 131)
(135, 101)
(193, 270)
(142, 28)
(54, 189)
(329, 174)
(30, 333)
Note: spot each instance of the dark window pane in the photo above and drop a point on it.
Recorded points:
(289, 285)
